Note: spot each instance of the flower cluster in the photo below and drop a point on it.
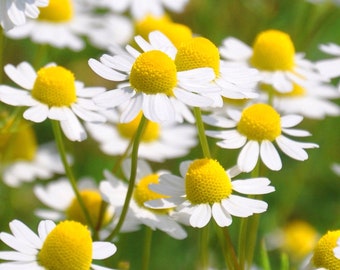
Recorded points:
(168, 131)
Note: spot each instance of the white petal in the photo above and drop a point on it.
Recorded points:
(106, 72)
(192, 99)
(221, 216)
(248, 156)
(270, 156)
(296, 132)
(253, 186)
(20, 230)
(37, 113)
(291, 148)
(44, 228)
(16, 256)
(235, 49)
(87, 115)
(102, 250)
(17, 244)
(113, 98)
(201, 215)
(288, 121)
(73, 129)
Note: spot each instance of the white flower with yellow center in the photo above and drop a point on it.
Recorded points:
(114, 190)
(60, 24)
(158, 143)
(234, 81)
(273, 54)
(141, 8)
(153, 84)
(330, 67)
(52, 93)
(206, 190)
(255, 130)
(67, 245)
(13, 12)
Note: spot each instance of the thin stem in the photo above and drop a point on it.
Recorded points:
(147, 248)
(123, 156)
(227, 258)
(201, 132)
(203, 246)
(133, 173)
(230, 249)
(69, 173)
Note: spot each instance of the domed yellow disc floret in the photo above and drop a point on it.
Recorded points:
(206, 181)
(198, 52)
(57, 11)
(67, 246)
(55, 86)
(323, 252)
(177, 33)
(154, 72)
(260, 122)
(142, 192)
(128, 130)
(92, 201)
(273, 50)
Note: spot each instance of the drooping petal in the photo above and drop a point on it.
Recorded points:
(222, 217)
(270, 156)
(248, 156)
(201, 215)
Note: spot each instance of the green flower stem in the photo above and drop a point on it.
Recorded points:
(123, 156)
(134, 160)
(102, 211)
(264, 257)
(62, 152)
(201, 132)
(203, 248)
(147, 248)
(2, 41)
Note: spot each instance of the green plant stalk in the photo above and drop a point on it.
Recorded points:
(204, 247)
(147, 248)
(230, 251)
(69, 173)
(284, 262)
(2, 37)
(264, 257)
(201, 132)
(132, 180)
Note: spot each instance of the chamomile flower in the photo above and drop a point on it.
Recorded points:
(205, 190)
(330, 67)
(13, 13)
(113, 190)
(52, 93)
(234, 81)
(152, 83)
(158, 143)
(22, 159)
(142, 8)
(273, 54)
(255, 130)
(61, 24)
(71, 239)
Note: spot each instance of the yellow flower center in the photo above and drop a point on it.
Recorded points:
(260, 122)
(154, 72)
(206, 181)
(67, 246)
(176, 32)
(273, 50)
(17, 143)
(92, 201)
(323, 252)
(142, 193)
(55, 86)
(198, 52)
(299, 239)
(151, 132)
(57, 11)
(297, 91)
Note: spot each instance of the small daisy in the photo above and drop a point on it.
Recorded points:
(141, 8)
(255, 130)
(152, 82)
(273, 54)
(311, 101)
(23, 160)
(13, 13)
(235, 81)
(206, 190)
(71, 239)
(330, 67)
(52, 93)
(112, 189)
(61, 24)
(158, 143)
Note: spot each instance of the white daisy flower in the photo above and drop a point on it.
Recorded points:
(255, 130)
(141, 8)
(235, 81)
(59, 197)
(52, 93)
(158, 143)
(37, 252)
(14, 12)
(311, 101)
(273, 54)
(113, 190)
(61, 24)
(206, 190)
(154, 86)
(330, 67)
